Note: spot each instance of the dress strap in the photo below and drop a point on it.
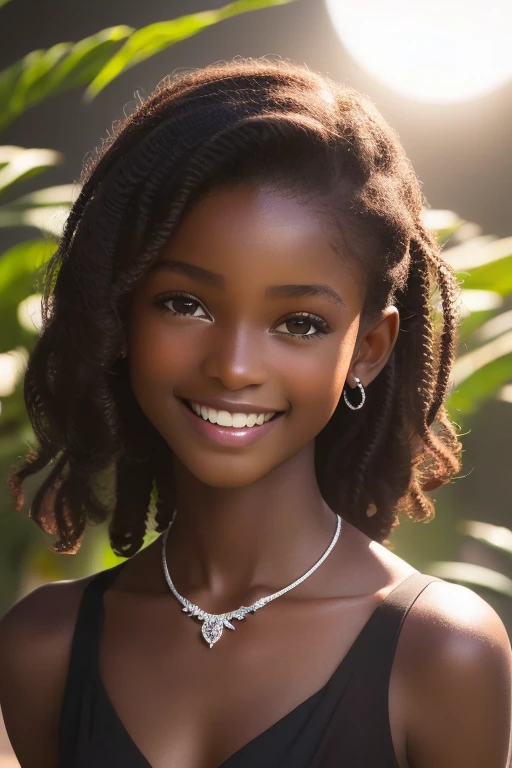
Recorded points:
(379, 640)
(360, 701)
(82, 662)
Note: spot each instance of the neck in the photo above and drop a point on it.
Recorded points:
(231, 542)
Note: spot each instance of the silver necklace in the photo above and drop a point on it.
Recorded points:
(214, 623)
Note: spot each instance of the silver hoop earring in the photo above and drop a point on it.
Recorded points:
(363, 396)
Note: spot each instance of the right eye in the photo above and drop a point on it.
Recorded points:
(181, 304)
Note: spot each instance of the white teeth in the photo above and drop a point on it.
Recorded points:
(239, 420)
(226, 419)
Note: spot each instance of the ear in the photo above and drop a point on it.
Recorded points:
(375, 346)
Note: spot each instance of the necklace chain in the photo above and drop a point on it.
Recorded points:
(214, 623)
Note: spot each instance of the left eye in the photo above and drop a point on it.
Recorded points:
(297, 325)
(304, 326)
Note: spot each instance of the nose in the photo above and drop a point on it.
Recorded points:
(236, 357)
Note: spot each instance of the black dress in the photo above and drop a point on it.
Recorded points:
(343, 725)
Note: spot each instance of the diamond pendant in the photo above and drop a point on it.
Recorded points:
(212, 629)
(213, 624)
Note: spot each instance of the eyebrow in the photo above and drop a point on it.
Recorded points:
(292, 291)
(301, 290)
(192, 270)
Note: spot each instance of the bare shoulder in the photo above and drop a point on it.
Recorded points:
(457, 662)
(35, 644)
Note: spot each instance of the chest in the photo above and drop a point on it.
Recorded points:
(189, 706)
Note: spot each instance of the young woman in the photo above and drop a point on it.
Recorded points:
(240, 328)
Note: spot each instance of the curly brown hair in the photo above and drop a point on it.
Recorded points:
(241, 120)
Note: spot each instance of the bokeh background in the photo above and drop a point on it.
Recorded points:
(440, 73)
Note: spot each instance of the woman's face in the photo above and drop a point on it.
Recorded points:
(247, 309)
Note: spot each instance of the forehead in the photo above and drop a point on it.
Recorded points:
(261, 232)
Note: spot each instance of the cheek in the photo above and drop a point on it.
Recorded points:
(316, 384)
(157, 354)
(320, 382)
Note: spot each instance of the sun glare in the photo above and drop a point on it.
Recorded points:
(436, 51)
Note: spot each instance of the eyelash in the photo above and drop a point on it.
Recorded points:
(323, 328)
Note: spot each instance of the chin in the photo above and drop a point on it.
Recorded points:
(219, 467)
(228, 472)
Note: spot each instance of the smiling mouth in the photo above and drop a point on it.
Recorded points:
(229, 420)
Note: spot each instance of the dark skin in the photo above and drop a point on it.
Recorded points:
(252, 520)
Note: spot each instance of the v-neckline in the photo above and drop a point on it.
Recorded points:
(264, 734)
(236, 755)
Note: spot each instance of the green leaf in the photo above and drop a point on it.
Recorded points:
(467, 365)
(4, 2)
(12, 334)
(26, 163)
(29, 313)
(23, 259)
(47, 209)
(472, 575)
(47, 219)
(448, 226)
(63, 194)
(153, 39)
(7, 153)
(12, 368)
(495, 536)
(494, 327)
(472, 322)
(444, 234)
(494, 276)
(18, 275)
(486, 379)
(38, 66)
(12, 409)
(477, 307)
(8, 79)
(483, 263)
(443, 223)
(470, 253)
(87, 57)
(44, 73)
(505, 393)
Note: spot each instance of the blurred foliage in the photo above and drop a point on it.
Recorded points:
(150, 40)
(45, 73)
(475, 576)
(482, 370)
(97, 60)
(483, 265)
